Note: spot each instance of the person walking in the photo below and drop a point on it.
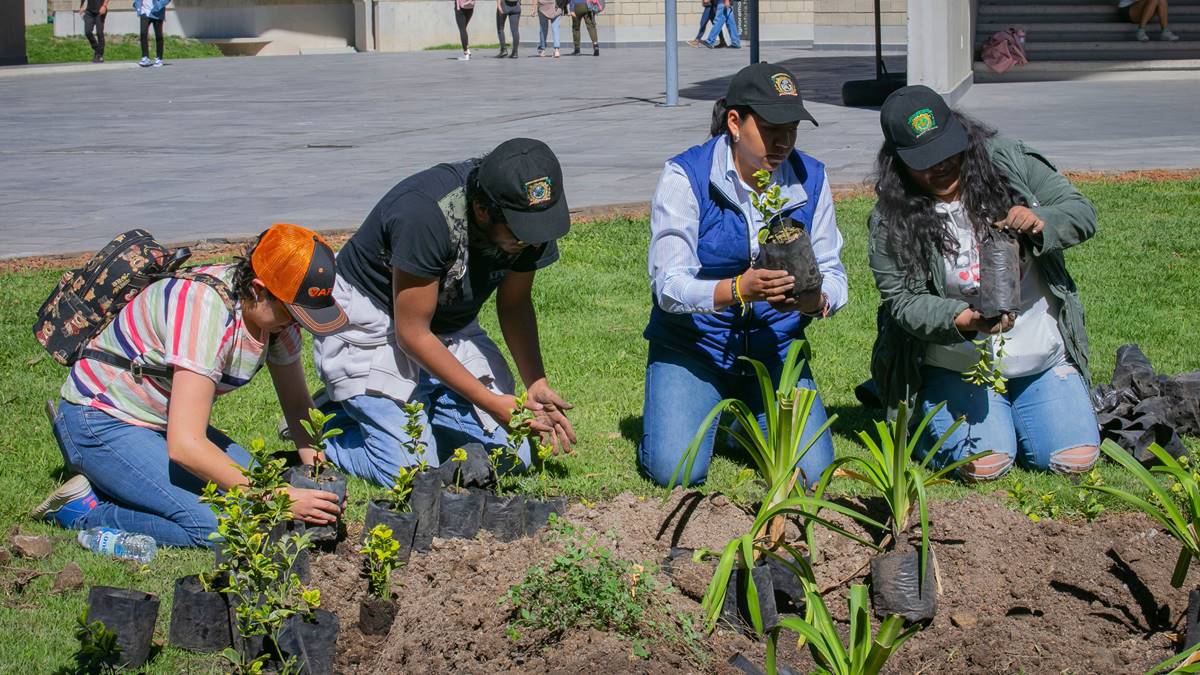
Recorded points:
(510, 11)
(725, 19)
(549, 13)
(706, 18)
(463, 10)
(583, 12)
(151, 13)
(94, 12)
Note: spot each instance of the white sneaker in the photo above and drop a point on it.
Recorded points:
(158, 63)
(144, 62)
(466, 56)
(1167, 35)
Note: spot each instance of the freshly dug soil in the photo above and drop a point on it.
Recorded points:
(1044, 597)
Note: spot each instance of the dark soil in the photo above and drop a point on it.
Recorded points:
(1048, 597)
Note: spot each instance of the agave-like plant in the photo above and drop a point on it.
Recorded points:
(1183, 524)
(890, 469)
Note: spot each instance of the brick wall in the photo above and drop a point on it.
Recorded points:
(643, 20)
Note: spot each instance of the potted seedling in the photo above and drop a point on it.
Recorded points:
(503, 513)
(99, 651)
(320, 475)
(537, 511)
(999, 273)
(394, 512)
(128, 614)
(380, 557)
(199, 615)
(425, 500)
(902, 580)
(461, 510)
(776, 453)
(784, 244)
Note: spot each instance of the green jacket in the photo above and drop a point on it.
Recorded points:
(915, 312)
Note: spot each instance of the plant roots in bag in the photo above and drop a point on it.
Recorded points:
(795, 255)
(897, 588)
(128, 613)
(199, 618)
(460, 515)
(403, 525)
(313, 644)
(426, 501)
(504, 517)
(330, 480)
(735, 609)
(999, 274)
(375, 616)
(537, 513)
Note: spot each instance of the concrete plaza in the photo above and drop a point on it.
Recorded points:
(223, 147)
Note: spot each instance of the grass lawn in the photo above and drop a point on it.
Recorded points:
(454, 46)
(1137, 279)
(42, 47)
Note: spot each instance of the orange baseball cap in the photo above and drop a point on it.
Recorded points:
(297, 266)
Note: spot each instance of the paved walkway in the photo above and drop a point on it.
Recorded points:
(224, 147)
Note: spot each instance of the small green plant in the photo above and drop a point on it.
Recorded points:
(1026, 500)
(986, 371)
(1181, 523)
(866, 653)
(256, 572)
(414, 430)
(768, 203)
(98, 649)
(459, 457)
(314, 426)
(398, 495)
(381, 553)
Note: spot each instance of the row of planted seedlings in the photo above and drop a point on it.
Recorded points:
(753, 567)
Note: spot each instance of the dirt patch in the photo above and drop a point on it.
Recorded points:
(1017, 595)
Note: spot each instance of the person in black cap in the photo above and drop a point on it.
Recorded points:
(412, 281)
(946, 182)
(711, 302)
(133, 422)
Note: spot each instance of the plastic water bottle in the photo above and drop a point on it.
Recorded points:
(118, 544)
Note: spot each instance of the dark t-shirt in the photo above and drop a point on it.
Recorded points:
(93, 6)
(420, 227)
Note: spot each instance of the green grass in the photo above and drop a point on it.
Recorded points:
(42, 47)
(1136, 278)
(454, 46)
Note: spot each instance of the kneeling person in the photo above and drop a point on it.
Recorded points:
(413, 279)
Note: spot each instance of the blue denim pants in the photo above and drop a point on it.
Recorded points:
(138, 487)
(1039, 417)
(547, 26)
(680, 392)
(724, 18)
(372, 443)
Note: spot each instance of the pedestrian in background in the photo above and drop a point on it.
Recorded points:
(706, 18)
(510, 11)
(151, 13)
(549, 13)
(725, 19)
(94, 12)
(463, 10)
(583, 11)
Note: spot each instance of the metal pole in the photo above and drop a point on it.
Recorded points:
(753, 32)
(672, 38)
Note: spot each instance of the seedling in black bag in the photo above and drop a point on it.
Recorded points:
(414, 430)
(380, 557)
(321, 475)
(315, 426)
(783, 243)
(98, 649)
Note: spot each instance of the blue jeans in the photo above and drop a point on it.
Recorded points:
(724, 18)
(706, 17)
(680, 392)
(139, 488)
(543, 24)
(372, 443)
(1040, 417)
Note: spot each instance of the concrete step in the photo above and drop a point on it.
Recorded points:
(1085, 32)
(1040, 71)
(1112, 51)
(1030, 14)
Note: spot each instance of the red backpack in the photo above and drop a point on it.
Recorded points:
(1004, 50)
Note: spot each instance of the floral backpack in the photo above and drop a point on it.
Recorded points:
(1004, 50)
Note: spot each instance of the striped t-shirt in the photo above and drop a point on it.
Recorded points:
(179, 323)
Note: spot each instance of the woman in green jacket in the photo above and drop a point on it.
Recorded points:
(943, 180)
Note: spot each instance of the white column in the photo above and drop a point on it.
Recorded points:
(940, 46)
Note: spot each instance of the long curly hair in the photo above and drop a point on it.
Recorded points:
(915, 231)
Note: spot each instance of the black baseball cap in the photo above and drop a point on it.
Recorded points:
(524, 178)
(917, 122)
(770, 91)
(297, 266)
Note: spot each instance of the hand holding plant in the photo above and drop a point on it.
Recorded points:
(314, 426)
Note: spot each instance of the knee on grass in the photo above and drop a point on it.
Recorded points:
(1075, 460)
(992, 467)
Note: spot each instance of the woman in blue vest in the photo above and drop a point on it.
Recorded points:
(711, 305)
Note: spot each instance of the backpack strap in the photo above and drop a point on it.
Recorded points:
(140, 370)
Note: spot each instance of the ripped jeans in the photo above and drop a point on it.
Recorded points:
(1044, 422)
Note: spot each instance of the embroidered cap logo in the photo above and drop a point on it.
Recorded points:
(922, 122)
(538, 191)
(784, 85)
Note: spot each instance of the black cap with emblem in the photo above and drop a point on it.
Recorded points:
(524, 178)
(921, 128)
(770, 91)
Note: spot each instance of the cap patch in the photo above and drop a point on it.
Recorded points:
(538, 191)
(784, 84)
(314, 292)
(922, 122)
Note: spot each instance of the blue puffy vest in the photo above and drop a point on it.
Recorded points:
(723, 248)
